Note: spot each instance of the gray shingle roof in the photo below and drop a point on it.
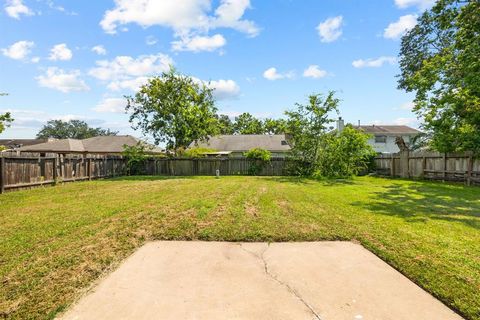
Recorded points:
(246, 142)
(101, 144)
(388, 129)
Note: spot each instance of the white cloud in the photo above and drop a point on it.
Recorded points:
(314, 71)
(422, 4)
(330, 29)
(151, 40)
(192, 20)
(229, 15)
(272, 74)
(100, 50)
(113, 105)
(15, 8)
(19, 50)
(35, 59)
(374, 63)
(125, 72)
(58, 79)
(224, 89)
(199, 43)
(60, 52)
(398, 28)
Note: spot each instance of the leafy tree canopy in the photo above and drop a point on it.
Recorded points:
(439, 62)
(73, 129)
(307, 124)
(174, 109)
(225, 124)
(248, 124)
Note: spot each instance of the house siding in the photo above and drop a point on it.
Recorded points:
(389, 146)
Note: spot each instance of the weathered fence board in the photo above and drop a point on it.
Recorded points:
(431, 165)
(209, 166)
(20, 171)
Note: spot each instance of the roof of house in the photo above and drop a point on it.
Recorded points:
(16, 143)
(388, 129)
(100, 144)
(245, 142)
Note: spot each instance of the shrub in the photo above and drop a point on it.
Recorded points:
(260, 159)
(343, 155)
(136, 157)
(196, 152)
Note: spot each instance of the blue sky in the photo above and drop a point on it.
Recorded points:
(77, 59)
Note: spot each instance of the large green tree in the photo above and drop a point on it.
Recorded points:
(439, 62)
(274, 126)
(307, 124)
(73, 129)
(248, 124)
(225, 124)
(175, 109)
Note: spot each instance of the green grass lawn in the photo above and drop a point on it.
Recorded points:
(54, 242)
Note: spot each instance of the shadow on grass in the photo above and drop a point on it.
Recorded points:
(422, 201)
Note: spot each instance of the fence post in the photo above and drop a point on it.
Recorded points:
(54, 173)
(424, 166)
(444, 166)
(105, 172)
(469, 170)
(2, 174)
(392, 166)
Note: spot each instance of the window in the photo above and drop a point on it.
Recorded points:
(380, 139)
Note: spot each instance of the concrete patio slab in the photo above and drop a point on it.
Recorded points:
(221, 280)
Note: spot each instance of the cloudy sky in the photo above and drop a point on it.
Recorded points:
(77, 59)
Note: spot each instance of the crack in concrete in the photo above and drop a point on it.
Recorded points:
(276, 279)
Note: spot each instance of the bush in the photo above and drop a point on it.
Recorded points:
(196, 152)
(136, 157)
(343, 155)
(261, 158)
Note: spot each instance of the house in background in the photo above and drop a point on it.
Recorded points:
(113, 145)
(382, 137)
(237, 145)
(13, 144)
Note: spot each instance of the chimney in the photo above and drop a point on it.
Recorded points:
(340, 124)
(359, 123)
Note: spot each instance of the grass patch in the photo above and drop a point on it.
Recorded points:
(56, 241)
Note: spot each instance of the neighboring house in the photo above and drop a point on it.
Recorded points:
(96, 145)
(237, 145)
(383, 136)
(13, 144)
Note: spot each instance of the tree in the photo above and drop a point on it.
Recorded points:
(274, 126)
(439, 63)
(248, 124)
(343, 154)
(306, 125)
(73, 129)
(225, 124)
(175, 109)
(5, 118)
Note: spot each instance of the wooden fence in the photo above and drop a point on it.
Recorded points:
(28, 171)
(462, 167)
(209, 166)
(31, 170)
